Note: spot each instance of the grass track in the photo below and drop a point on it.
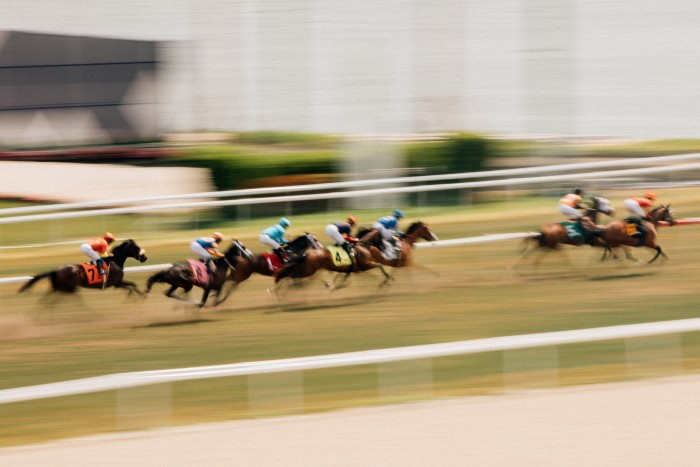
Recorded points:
(474, 297)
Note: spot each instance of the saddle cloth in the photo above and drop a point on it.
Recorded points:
(199, 271)
(272, 260)
(92, 273)
(339, 255)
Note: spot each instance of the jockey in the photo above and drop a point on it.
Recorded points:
(570, 204)
(341, 234)
(96, 250)
(641, 206)
(273, 236)
(206, 248)
(388, 226)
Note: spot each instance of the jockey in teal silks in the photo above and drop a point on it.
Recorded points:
(273, 236)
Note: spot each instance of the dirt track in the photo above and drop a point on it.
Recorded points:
(652, 422)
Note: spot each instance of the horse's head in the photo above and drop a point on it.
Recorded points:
(420, 229)
(129, 249)
(663, 213)
(237, 250)
(303, 243)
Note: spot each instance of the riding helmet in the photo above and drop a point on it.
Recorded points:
(108, 237)
(650, 195)
(398, 213)
(578, 191)
(284, 222)
(218, 236)
(352, 220)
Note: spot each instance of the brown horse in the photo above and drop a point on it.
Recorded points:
(624, 233)
(246, 262)
(71, 276)
(324, 258)
(182, 275)
(551, 236)
(372, 240)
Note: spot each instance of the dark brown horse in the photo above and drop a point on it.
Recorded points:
(403, 256)
(245, 262)
(624, 233)
(71, 276)
(184, 275)
(551, 236)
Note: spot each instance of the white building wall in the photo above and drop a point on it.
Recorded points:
(626, 68)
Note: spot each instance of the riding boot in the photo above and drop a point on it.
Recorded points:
(282, 254)
(211, 267)
(100, 268)
(348, 249)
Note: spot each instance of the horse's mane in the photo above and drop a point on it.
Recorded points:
(122, 245)
(413, 227)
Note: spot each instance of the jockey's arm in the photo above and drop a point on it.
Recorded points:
(214, 252)
(350, 238)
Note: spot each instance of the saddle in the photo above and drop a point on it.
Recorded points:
(339, 255)
(93, 274)
(199, 272)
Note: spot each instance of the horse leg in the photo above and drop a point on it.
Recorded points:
(387, 276)
(659, 252)
(628, 254)
(226, 295)
(205, 295)
(332, 285)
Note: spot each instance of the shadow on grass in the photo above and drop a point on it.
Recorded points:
(621, 276)
(165, 324)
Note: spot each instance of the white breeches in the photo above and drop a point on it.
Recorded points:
(569, 212)
(386, 233)
(634, 207)
(266, 240)
(200, 251)
(92, 254)
(334, 233)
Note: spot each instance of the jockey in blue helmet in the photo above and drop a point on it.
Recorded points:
(388, 226)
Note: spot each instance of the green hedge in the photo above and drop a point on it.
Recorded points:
(462, 152)
(232, 169)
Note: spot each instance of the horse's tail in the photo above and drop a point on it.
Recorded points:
(38, 277)
(538, 237)
(289, 269)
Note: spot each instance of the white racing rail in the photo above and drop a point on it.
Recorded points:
(357, 194)
(636, 162)
(143, 378)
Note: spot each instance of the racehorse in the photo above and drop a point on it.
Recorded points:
(246, 262)
(191, 273)
(372, 240)
(237, 265)
(551, 236)
(624, 233)
(323, 258)
(71, 276)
